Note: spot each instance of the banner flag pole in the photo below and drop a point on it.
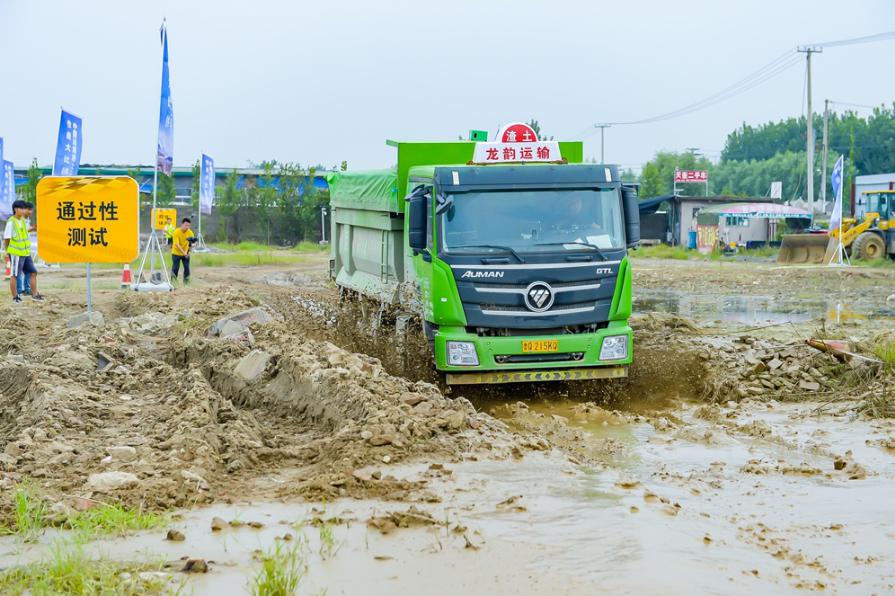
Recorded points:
(159, 281)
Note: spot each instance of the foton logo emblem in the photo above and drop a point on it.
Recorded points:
(481, 274)
(539, 296)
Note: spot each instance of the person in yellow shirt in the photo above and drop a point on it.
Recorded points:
(181, 245)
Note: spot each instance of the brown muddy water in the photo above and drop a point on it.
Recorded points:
(748, 309)
(740, 499)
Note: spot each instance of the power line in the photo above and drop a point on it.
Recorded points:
(854, 105)
(778, 65)
(857, 40)
(763, 74)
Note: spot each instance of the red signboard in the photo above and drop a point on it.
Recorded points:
(691, 176)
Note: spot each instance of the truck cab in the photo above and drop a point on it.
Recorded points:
(518, 271)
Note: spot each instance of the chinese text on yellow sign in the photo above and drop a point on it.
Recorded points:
(88, 219)
(163, 217)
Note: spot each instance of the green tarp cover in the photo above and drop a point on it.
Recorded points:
(375, 190)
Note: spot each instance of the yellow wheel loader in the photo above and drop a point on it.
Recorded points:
(869, 235)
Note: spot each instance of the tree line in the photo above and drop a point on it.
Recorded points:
(281, 201)
(755, 156)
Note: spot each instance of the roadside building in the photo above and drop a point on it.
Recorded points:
(672, 219)
(746, 225)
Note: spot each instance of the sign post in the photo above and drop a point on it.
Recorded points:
(88, 219)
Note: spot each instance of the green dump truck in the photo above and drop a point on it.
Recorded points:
(513, 254)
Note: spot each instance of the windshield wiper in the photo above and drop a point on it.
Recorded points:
(495, 246)
(579, 243)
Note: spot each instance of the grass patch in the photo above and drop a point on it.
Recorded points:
(303, 246)
(282, 568)
(664, 251)
(32, 516)
(68, 569)
(307, 246)
(114, 519)
(247, 259)
(241, 247)
(328, 546)
(760, 252)
(875, 263)
(885, 351)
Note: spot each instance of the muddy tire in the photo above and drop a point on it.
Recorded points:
(868, 246)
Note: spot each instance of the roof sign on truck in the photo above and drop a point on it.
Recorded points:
(516, 142)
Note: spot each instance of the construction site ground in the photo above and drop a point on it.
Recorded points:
(735, 458)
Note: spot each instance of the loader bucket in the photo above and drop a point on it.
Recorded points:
(803, 248)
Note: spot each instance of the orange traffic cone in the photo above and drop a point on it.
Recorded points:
(127, 277)
(8, 272)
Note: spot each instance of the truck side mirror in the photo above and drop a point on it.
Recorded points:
(632, 216)
(416, 218)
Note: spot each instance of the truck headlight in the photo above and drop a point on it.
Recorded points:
(462, 353)
(615, 347)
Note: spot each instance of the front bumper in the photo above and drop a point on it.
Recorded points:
(502, 360)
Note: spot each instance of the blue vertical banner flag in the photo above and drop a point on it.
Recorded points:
(68, 145)
(165, 153)
(836, 181)
(7, 188)
(206, 186)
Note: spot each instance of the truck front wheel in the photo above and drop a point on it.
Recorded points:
(868, 246)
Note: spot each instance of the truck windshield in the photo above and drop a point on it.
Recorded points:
(533, 221)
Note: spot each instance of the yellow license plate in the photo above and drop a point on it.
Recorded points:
(541, 345)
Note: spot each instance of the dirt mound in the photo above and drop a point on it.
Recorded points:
(148, 411)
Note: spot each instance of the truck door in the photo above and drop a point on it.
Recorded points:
(422, 262)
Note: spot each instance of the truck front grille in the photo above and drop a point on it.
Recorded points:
(515, 311)
(530, 358)
(516, 332)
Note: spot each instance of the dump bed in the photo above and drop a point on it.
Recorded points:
(367, 233)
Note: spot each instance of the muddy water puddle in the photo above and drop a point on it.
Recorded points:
(717, 500)
(744, 309)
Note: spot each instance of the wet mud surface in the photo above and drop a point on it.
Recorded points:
(734, 459)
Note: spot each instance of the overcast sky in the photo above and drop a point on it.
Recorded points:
(319, 82)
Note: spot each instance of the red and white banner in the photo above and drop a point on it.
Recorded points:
(691, 176)
(516, 142)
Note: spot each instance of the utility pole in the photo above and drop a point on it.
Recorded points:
(602, 128)
(823, 166)
(809, 146)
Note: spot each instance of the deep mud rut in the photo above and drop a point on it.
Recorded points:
(730, 461)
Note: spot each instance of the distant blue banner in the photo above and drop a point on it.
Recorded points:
(836, 181)
(1, 149)
(836, 177)
(206, 186)
(68, 145)
(7, 188)
(165, 153)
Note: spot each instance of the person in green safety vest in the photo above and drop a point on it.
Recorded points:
(18, 247)
(169, 232)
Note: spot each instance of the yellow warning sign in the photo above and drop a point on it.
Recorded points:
(88, 219)
(162, 217)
